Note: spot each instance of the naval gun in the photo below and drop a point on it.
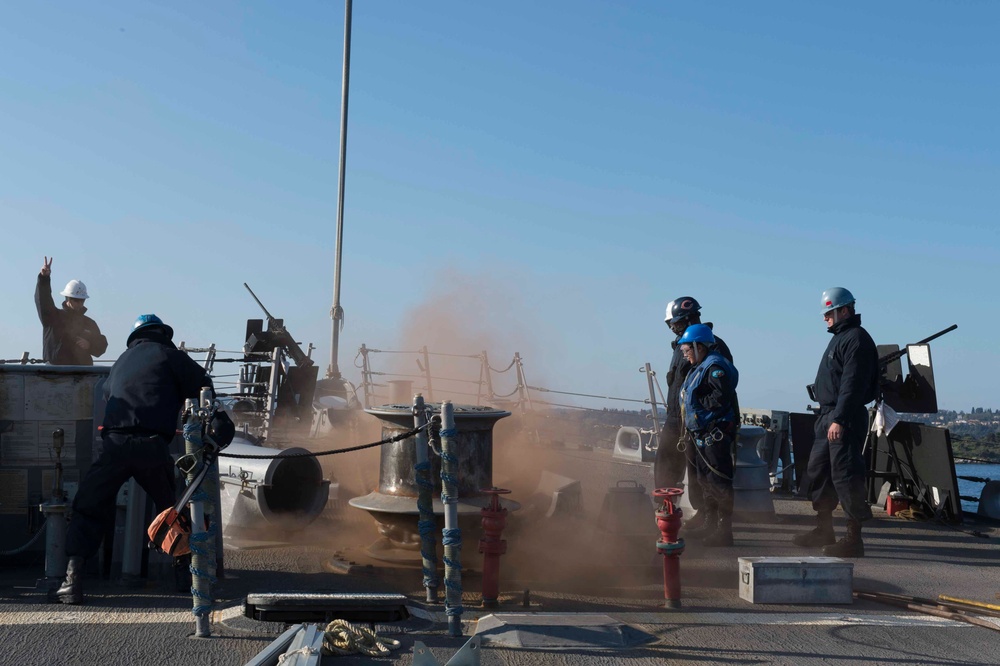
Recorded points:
(281, 392)
(912, 458)
(916, 394)
(261, 340)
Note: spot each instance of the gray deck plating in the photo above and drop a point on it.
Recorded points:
(151, 625)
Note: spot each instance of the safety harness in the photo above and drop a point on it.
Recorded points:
(699, 417)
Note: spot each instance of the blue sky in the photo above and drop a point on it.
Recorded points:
(532, 177)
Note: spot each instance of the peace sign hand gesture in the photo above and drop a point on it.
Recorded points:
(46, 267)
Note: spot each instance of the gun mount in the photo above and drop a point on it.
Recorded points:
(281, 392)
(276, 335)
(916, 394)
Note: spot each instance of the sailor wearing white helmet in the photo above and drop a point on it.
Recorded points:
(69, 336)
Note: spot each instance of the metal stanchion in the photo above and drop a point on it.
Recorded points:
(426, 524)
(451, 538)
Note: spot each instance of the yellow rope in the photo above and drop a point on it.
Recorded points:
(342, 638)
(913, 513)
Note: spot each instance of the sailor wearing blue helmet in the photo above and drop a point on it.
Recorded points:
(144, 392)
(711, 417)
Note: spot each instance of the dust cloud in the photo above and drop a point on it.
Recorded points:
(463, 318)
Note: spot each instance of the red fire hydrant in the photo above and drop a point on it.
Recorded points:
(668, 519)
(492, 546)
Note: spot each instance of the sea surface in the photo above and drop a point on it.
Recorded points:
(972, 488)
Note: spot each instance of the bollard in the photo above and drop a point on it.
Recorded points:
(668, 520)
(492, 546)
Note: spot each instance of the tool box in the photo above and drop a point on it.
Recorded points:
(796, 580)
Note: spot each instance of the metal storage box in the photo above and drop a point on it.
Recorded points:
(796, 580)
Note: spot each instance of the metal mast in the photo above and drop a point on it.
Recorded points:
(337, 312)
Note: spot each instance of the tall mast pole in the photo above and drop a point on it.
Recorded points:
(337, 312)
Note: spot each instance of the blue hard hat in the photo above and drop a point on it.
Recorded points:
(836, 297)
(147, 320)
(697, 333)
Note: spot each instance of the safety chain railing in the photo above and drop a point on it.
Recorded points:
(24, 360)
(525, 401)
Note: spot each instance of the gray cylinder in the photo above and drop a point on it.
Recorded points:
(285, 492)
(751, 481)
(475, 444)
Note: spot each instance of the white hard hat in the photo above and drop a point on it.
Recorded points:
(75, 289)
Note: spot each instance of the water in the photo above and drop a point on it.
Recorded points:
(972, 488)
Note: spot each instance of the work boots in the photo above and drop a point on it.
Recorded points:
(703, 522)
(721, 535)
(697, 522)
(71, 591)
(850, 546)
(821, 535)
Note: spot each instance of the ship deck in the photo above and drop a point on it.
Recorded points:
(564, 570)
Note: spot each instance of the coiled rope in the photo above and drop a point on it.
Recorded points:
(342, 638)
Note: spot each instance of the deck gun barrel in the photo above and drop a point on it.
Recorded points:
(884, 361)
(281, 336)
(889, 358)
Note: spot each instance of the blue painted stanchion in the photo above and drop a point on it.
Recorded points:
(452, 536)
(203, 563)
(425, 502)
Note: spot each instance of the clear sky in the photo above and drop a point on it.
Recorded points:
(553, 173)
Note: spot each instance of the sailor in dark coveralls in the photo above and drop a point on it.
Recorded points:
(69, 336)
(846, 381)
(671, 461)
(145, 393)
(711, 417)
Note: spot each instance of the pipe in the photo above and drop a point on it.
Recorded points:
(652, 401)
(202, 538)
(668, 520)
(494, 518)
(967, 602)
(337, 312)
(135, 533)
(55, 517)
(451, 538)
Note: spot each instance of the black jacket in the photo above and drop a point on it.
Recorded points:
(61, 327)
(678, 371)
(147, 387)
(847, 378)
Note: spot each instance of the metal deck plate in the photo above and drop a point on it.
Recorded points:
(555, 631)
(324, 607)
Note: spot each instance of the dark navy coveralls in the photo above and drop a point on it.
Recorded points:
(668, 470)
(62, 326)
(711, 412)
(145, 392)
(846, 381)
